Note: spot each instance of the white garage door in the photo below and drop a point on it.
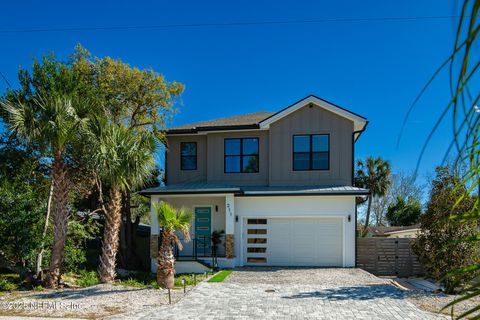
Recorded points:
(293, 241)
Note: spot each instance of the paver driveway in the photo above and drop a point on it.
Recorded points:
(292, 293)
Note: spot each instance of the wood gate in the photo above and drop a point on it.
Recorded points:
(388, 257)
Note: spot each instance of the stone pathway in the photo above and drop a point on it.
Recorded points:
(297, 293)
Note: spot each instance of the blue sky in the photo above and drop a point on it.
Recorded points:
(373, 68)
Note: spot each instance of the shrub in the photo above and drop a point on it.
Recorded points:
(88, 278)
(439, 245)
(6, 285)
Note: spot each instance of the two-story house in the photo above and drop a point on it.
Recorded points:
(280, 186)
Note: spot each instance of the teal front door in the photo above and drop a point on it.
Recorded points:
(203, 230)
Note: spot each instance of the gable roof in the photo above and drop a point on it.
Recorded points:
(359, 122)
(263, 120)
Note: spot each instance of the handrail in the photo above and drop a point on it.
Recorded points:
(201, 247)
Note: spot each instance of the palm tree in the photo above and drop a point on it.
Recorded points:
(373, 174)
(122, 159)
(52, 123)
(171, 221)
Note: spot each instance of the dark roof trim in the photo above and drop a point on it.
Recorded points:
(240, 193)
(314, 96)
(214, 128)
(360, 131)
(289, 194)
(149, 193)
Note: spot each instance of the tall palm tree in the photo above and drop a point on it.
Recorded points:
(171, 221)
(373, 174)
(122, 159)
(52, 123)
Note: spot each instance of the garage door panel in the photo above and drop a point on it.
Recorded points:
(298, 242)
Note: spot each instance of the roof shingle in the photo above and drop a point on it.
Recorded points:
(241, 120)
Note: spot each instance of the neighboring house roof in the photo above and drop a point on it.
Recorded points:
(402, 231)
(263, 120)
(382, 231)
(209, 188)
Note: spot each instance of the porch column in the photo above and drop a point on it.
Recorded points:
(229, 225)
(154, 234)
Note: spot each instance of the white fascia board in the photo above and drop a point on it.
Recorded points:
(358, 121)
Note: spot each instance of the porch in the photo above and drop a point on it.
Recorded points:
(211, 231)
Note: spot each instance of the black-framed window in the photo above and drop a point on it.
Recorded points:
(311, 152)
(188, 154)
(241, 155)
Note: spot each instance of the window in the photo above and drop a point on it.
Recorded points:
(311, 152)
(241, 155)
(188, 155)
(257, 231)
(257, 221)
(257, 240)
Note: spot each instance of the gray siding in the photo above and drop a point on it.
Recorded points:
(174, 174)
(311, 120)
(215, 165)
(276, 153)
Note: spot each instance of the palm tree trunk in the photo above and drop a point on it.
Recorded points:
(369, 208)
(166, 261)
(38, 265)
(60, 218)
(113, 217)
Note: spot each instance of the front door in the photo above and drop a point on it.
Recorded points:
(203, 230)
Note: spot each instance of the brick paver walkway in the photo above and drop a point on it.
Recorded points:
(273, 293)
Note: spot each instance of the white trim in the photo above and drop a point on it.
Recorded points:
(229, 214)
(358, 121)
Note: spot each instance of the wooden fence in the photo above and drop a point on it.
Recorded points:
(388, 257)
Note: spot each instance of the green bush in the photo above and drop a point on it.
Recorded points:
(88, 278)
(439, 245)
(38, 288)
(404, 213)
(6, 285)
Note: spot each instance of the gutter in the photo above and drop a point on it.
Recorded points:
(213, 128)
(241, 193)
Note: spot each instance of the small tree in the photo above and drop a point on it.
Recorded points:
(373, 174)
(439, 244)
(403, 213)
(171, 221)
(121, 159)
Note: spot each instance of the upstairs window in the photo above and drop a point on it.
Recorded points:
(311, 152)
(188, 155)
(241, 155)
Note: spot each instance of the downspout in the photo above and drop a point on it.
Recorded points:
(165, 165)
(359, 132)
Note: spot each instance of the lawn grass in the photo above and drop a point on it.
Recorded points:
(219, 277)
